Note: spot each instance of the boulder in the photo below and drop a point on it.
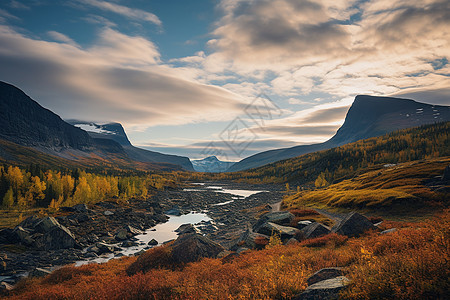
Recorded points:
(58, 237)
(121, 235)
(303, 224)
(270, 228)
(22, 235)
(108, 213)
(127, 244)
(279, 217)
(389, 231)
(446, 175)
(5, 286)
(104, 248)
(39, 272)
(80, 208)
(173, 212)
(324, 274)
(315, 230)
(46, 224)
(192, 247)
(82, 217)
(153, 242)
(186, 228)
(325, 289)
(352, 225)
(251, 240)
(29, 222)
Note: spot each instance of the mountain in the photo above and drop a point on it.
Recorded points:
(211, 164)
(115, 132)
(369, 116)
(27, 127)
(25, 122)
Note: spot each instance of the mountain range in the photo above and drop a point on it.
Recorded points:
(27, 127)
(211, 164)
(369, 116)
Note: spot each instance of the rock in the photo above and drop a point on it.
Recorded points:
(270, 228)
(446, 175)
(153, 242)
(29, 222)
(325, 289)
(104, 248)
(352, 225)
(192, 247)
(389, 231)
(59, 237)
(5, 286)
(186, 228)
(251, 240)
(121, 235)
(39, 272)
(108, 213)
(291, 241)
(132, 230)
(22, 235)
(173, 212)
(80, 208)
(315, 230)
(46, 224)
(324, 274)
(223, 254)
(81, 218)
(303, 224)
(241, 249)
(279, 217)
(127, 244)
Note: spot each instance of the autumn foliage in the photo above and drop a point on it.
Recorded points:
(410, 263)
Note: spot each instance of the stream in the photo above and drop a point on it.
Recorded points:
(165, 232)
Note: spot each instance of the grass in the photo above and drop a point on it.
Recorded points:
(410, 263)
(399, 189)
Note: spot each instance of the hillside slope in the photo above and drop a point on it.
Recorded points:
(369, 116)
(115, 132)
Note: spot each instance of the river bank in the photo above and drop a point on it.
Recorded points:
(107, 230)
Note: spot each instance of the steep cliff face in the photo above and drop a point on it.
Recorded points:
(369, 116)
(25, 122)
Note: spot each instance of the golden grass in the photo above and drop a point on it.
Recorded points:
(403, 185)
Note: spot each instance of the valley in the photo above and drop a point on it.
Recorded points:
(85, 211)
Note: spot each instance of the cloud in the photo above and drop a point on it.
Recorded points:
(119, 78)
(57, 36)
(18, 5)
(340, 48)
(132, 13)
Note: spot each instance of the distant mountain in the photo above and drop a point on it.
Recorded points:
(211, 164)
(27, 124)
(369, 116)
(115, 132)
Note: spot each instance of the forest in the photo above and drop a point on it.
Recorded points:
(330, 166)
(24, 188)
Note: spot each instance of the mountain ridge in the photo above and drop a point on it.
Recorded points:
(25, 122)
(366, 118)
(211, 164)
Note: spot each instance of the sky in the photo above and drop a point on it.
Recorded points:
(223, 77)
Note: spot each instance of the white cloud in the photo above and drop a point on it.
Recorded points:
(119, 78)
(132, 13)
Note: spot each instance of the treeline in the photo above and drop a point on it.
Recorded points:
(30, 187)
(333, 165)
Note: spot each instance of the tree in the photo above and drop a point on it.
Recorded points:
(8, 199)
